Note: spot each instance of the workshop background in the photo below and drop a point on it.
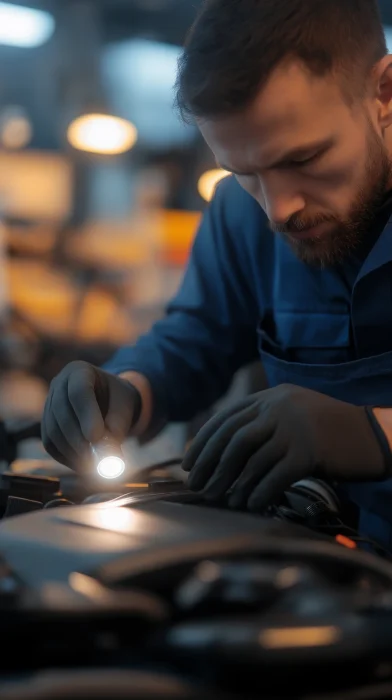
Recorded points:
(97, 214)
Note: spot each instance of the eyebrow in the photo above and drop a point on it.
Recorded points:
(295, 154)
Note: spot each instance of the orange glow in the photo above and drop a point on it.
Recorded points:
(102, 134)
(208, 182)
(299, 637)
(346, 542)
(178, 230)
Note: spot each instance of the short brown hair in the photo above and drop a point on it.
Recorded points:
(234, 46)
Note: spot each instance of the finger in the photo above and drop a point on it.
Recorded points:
(68, 423)
(258, 466)
(53, 452)
(121, 406)
(240, 450)
(207, 431)
(81, 394)
(53, 439)
(211, 453)
(270, 489)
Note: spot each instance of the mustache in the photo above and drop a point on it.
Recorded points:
(298, 225)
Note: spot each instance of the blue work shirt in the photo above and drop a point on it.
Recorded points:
(245, 295)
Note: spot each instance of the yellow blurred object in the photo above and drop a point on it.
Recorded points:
(208, 182)
(126, 245)
(51, 300)
(109, 244)
(101, 320)
(45, 296)
(177, 233)
(102, 134)
(297, 637)
(35, 186)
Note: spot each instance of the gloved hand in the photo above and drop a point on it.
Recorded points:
(279, 436)
(85, 404)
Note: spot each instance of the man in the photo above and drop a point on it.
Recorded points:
(292, 264)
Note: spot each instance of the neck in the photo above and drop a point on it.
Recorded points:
(388, 144)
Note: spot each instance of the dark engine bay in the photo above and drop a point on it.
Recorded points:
(154, 593)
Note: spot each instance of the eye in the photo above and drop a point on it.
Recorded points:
(306, 161)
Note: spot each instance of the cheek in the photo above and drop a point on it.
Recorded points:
(332, 187)
(336, 185)
(344, 173)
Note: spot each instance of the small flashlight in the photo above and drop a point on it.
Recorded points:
(108, 458)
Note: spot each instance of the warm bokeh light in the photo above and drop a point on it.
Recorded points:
(102, 134)
(15, 130)
(209, 181)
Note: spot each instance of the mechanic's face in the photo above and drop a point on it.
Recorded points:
(317, 166)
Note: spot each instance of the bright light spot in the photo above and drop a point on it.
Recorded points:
(23, 26)
(15, 129)
(101, 133)
(111, 467)
(111, 518)
(209, 181)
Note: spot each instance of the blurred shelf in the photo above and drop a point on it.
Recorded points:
(57, 307)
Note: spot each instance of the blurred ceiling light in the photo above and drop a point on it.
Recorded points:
(209, 181)
(24, 26)
(138, 78)
(102, 134)
(15, 129)
(388, 37)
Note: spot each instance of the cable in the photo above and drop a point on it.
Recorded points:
(289, 515)
(356, 537)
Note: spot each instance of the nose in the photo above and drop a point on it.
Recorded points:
(280, 199)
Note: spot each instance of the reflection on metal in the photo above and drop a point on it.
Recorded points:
(102, 134)
(209, 181)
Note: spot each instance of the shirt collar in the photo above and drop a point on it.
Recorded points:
(381, 240)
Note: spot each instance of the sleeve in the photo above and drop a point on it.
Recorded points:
(209, 330)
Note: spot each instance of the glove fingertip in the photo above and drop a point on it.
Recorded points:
(93, 431)
(190, 457)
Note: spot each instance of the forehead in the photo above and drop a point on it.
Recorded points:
(292, 109)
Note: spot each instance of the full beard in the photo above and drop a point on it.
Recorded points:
(349, 234)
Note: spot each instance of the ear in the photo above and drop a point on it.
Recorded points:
(383, 85)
